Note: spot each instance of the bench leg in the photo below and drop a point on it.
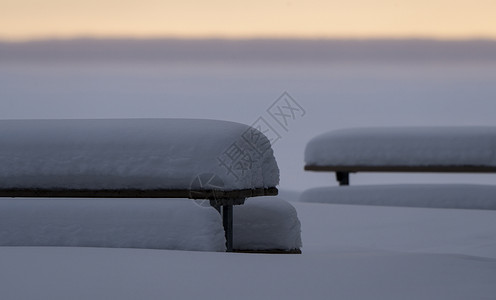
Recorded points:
(343, 178)
(227, 220)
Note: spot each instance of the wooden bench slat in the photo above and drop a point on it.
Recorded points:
(135, 193)
(406, 169)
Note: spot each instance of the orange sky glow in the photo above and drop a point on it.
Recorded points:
(445, 19)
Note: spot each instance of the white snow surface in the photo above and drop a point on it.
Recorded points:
(465, 196)
(422, 146)
(133, 153)
(350, 252)
(265, 223)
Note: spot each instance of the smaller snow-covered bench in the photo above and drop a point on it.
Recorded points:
(422, 149)
(460, 196)
(223, 162)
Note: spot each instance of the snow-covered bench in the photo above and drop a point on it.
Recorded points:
(462, 196)
(423, 149)
(223, 162)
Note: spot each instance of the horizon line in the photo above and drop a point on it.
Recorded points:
(245, 38)
(260, 49)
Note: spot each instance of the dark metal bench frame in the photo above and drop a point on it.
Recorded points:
(343, 171)
(218, 198)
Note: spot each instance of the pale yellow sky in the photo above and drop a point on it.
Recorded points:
(26, 19)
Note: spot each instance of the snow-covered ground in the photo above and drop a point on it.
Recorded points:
(350, 252)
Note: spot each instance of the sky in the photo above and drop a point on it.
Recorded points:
(443, 19)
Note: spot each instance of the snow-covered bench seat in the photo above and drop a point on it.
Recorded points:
(462, 196)
(421, 149)
(262, 224)
(221, 161)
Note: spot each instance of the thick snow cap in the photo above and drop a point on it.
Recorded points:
(133, 154)
(422, 146)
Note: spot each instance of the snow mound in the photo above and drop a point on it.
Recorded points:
(133, 154)
(464, 196)
(175, 224)
(266, 223)
(422, 146)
